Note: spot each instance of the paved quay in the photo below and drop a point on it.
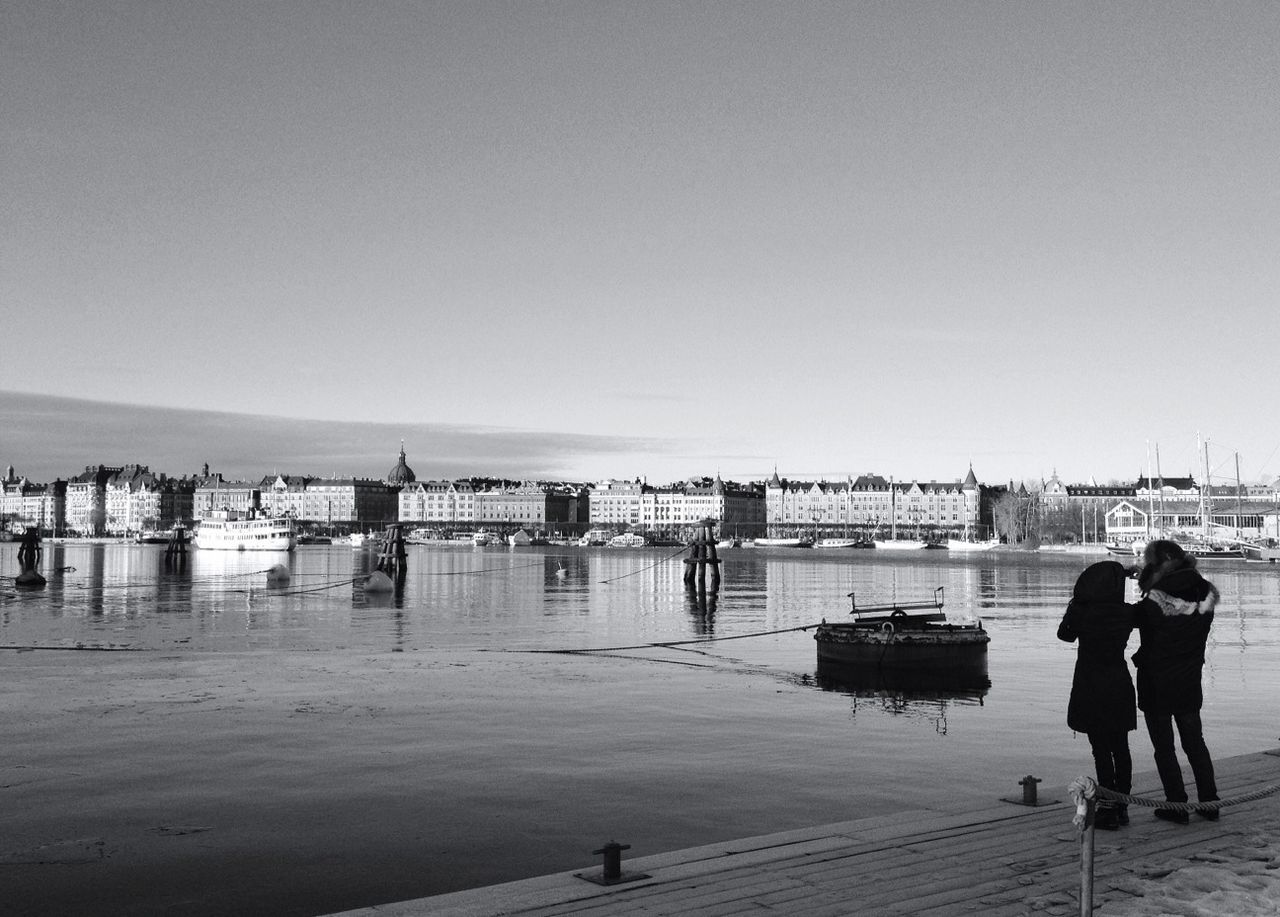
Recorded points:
(999, 859)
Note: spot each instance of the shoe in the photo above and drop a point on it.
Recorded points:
(1122, 814)
(1106, 819)
(1177, 816)
(1208, 814)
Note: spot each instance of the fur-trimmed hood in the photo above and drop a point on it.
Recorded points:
(1177, 588)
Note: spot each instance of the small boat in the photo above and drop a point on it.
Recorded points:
(627, 540)
(899, 544)
(801, 542)
(356, 539)
(225, 531)
(958, 544)
(1262, 554)
(903, 636)
(482, 538)
(519, 539)
(836, 543)
(729, 543)
(595, 538)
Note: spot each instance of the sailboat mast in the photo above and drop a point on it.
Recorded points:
(1151, 508)
(1160, 478)
(1205, 497)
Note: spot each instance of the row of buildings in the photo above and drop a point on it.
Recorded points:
(121, 500)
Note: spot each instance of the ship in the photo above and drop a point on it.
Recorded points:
(226, 531)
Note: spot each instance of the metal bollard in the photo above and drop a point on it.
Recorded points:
(612, 860)
(1028, 784)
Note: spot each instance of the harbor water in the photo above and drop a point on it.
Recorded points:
(202, 742)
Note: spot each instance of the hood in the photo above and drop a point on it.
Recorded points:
(1101, 582)
(1182, 592)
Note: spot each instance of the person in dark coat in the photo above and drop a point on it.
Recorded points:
(1174, 618)
(1101, 703)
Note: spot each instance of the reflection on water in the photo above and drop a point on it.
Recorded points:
(457, 599)
(925, 692)
(439, 715)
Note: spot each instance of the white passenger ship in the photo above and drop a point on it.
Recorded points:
(223, 531)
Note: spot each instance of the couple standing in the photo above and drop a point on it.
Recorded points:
(1173, 620)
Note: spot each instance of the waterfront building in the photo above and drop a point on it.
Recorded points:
(212, 493)
(621, 505)
(26, 504)
(446, 503)
(350, 502)
(1247, 521)
(677, 510)
(136, 499)
(524, 505)
(869, 504)
(86, 503)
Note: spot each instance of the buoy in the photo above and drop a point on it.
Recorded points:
(29, 579)
(278, 575)
(379, 582)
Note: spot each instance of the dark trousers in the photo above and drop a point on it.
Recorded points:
(1111, 759)
(1160, 728)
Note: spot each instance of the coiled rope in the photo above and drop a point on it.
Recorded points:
(643, 569)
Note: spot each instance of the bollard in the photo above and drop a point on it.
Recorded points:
(1028, 784)
(612, 859)
(612, 872)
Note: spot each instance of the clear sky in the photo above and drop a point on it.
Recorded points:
(646, 238)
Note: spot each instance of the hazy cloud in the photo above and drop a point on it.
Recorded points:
(46, 437)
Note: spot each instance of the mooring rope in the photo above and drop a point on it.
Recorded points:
(665, 643)
(269, 591)
(1213, 806)
(484, 570)
(83, 649)
(1083, 789)
(642, 569)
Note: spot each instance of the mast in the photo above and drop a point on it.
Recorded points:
(1239, 500)
(1151, 509)
(1160, 477)
(1205, 497)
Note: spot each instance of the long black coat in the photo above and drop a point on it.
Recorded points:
(1101, 689)
(1174, 620)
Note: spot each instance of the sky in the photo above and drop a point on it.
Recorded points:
(590, 240)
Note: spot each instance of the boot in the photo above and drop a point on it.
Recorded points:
(1106, 818)
(1122, 813)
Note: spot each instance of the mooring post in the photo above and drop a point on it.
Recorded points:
(1028, 784)
(612, 859)
(702, 559)
(714, 560)
(1086, 860)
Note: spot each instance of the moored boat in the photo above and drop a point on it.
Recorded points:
(899, 544)
(224, 531)
(957, 544)
(627, 540)
(595, 538)
(907, 636)
(800, 542)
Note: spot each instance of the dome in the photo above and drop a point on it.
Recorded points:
(401, 474)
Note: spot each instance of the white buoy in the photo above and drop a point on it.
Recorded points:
(379, 582)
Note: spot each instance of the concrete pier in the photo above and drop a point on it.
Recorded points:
(998, 860)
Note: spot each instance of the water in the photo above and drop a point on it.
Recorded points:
(221, 746)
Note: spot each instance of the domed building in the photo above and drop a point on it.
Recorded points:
(401, 475)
